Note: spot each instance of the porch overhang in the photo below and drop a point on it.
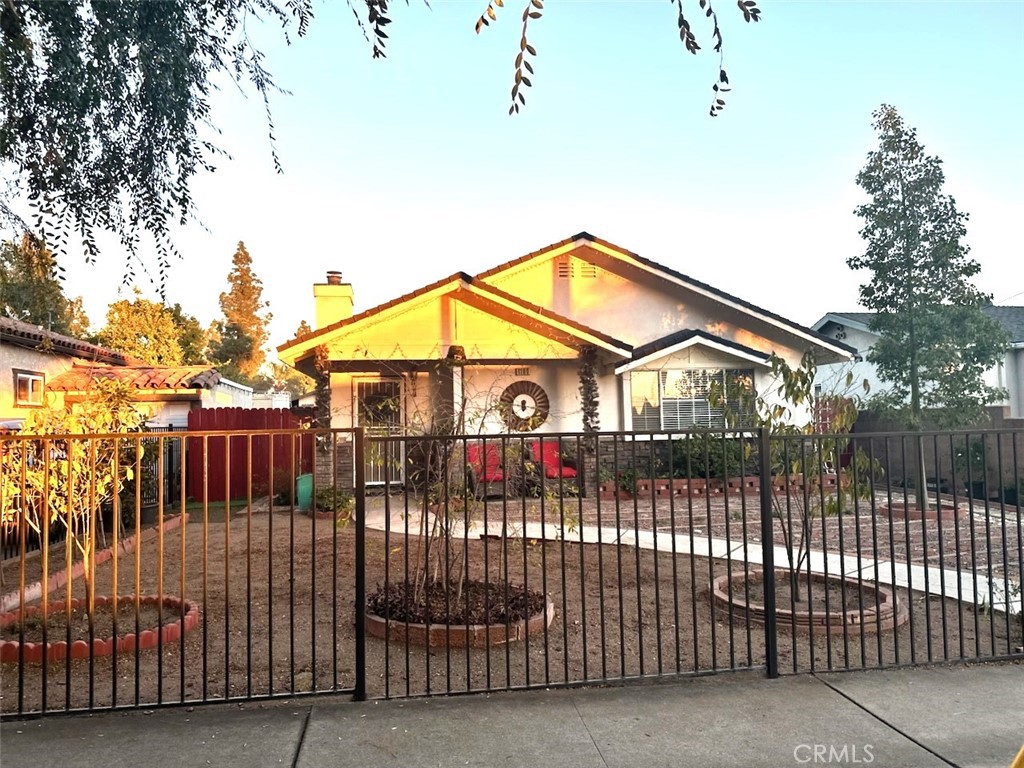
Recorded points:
(677, 342)
(566, 334)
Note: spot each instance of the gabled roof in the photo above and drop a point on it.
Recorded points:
(474, 291)
(1010, 318)
(80, 377)
(681, 340)
(31, 336)
(680, 279)
(319, 333)
(859, 320)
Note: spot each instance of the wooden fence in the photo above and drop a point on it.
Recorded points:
(218, 467)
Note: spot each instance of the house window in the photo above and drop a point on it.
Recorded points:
(679, 398)
(28, 388)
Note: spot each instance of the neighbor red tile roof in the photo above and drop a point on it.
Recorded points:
(32, 336)
(80, 377)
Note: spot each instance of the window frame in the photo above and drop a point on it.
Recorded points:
(22, 373)
(711, 418)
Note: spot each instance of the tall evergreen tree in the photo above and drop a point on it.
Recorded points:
(30, 289)
(935, 341)
(242, 334)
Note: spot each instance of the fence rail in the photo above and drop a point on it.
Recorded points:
(483, 563)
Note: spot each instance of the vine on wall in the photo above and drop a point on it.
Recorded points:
(322, 420)
(588, 388)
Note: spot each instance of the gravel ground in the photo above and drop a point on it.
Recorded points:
(277, 596)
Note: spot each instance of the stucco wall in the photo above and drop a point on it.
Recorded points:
(425, 330)
(1009, 375)
(638, 309)
(11, 357)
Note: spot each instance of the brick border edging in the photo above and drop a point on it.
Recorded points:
(13, 651)
(907, 512)
(891, 613)
(125, 546)
(458, 635)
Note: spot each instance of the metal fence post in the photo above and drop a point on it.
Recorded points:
(771, 645)
(359, 459)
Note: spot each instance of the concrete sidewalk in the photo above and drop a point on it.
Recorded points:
(946, 716)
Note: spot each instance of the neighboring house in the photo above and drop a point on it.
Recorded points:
(36, 363)
(31, 356)
(305, 400)
(168, 393)
(501, 350)
(853, 328)
(272, 400)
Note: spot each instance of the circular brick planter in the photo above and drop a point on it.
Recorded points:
(12, 651)
(898, 511)
(458, 635)
(878, 613)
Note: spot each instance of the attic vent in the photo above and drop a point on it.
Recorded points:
(569, 268)
(522, 371)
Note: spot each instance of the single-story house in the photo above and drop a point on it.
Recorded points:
(168, 392)
(854, 329)
(36, 363)
(501, 351)
(31, 356)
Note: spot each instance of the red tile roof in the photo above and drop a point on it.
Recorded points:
(32, 336)
(80, 377)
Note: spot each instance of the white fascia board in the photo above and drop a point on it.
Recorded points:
(840, 319)
(634, 364)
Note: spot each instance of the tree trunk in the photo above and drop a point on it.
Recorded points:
(920, 475)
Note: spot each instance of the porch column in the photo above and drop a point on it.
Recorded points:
(626, 388)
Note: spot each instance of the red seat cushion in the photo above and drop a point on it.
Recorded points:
(546, 454)
(486, 462)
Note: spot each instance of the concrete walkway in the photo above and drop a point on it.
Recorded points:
(919, 718)
(940, 582)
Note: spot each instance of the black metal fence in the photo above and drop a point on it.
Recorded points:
(505, 562)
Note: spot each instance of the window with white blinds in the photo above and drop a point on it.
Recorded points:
(679, 398)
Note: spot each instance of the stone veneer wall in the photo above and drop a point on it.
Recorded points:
(337, 452)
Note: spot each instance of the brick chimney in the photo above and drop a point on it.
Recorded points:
(333, 300)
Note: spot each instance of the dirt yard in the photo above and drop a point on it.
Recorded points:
(277, 596)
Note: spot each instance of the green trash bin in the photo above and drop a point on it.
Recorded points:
(304, 492)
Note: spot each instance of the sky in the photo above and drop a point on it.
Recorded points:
(401, 171)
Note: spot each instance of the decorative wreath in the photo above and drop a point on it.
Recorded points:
(524, 406)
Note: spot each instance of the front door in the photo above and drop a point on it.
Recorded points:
(379, 410)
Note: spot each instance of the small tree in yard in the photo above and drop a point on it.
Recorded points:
(807, 449)
(935, 341)
(438, 463)
(65, 479)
